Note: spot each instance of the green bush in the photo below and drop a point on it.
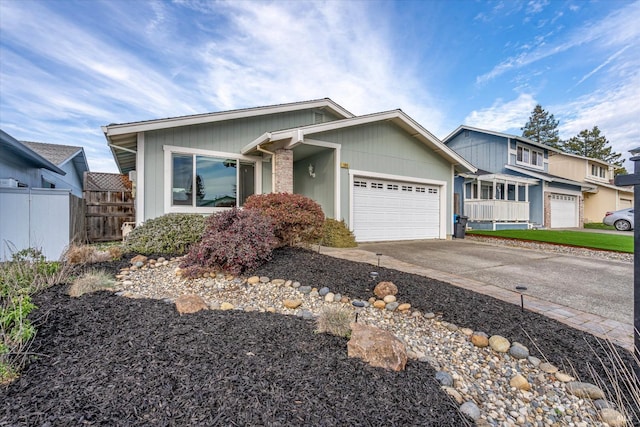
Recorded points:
(168, 234)
(27, 273)
(336, 235)
(296, 218)
(234, 241)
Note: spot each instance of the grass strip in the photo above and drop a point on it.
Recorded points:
(608, 242)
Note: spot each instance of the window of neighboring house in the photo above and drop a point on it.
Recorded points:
(200, 181)
(598, 171)
(529, 156)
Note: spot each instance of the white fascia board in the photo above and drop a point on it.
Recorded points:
(503, 135)
(613, 187)
(297, 135)
(262, 139)
(171, 122)
(546, 178)
(590, 159)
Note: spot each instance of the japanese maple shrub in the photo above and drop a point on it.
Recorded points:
(233, 241)
(296, 218)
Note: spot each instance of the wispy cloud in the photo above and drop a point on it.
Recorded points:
(604, 64)
(617, 29)
(503, 116)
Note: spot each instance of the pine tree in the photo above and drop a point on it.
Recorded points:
(590, 143)
(542, 127)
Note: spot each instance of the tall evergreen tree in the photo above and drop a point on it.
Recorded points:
(542, 127)
(590, 143)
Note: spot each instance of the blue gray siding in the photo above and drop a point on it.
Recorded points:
(484, 151)
(228, 136)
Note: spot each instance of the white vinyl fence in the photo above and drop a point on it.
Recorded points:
(41, 218)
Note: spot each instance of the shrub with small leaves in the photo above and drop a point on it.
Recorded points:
(335, 320)
(337, 235)
(168, 234)
(234, 241)
(296, 218)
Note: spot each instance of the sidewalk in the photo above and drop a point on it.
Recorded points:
(617, 332)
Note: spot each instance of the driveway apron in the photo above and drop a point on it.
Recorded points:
(591, 294)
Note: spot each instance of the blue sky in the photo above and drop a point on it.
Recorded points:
(69, 67)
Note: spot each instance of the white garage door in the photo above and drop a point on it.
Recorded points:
(393, 210)
(564, 211)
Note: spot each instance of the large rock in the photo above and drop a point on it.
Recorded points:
(377, 347)
(583, 390)
(138, 258)
(190, 304)
(613, 417)
(499, 344)
(383, 289)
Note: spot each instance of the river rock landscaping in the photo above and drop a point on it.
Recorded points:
(253, 357)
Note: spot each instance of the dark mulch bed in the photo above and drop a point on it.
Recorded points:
(106, 360)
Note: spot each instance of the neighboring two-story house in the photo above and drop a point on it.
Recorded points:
(513, 187)
(602, 195)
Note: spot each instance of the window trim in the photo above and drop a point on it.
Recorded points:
(531, 154)
(169, 150)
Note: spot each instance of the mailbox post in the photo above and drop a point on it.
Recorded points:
(624, 180)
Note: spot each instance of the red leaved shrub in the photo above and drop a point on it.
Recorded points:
(296, 218)
(233, 241)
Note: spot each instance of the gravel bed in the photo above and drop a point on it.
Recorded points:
(108, 360)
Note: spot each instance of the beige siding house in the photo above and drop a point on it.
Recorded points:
(601, 195)
(383, 173)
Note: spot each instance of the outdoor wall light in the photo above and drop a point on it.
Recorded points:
(312, 171)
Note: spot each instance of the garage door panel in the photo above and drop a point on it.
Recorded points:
(390, 210)
(564, 211)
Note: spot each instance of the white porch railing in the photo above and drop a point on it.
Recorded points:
(496, 210)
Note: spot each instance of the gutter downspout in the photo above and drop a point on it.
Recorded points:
(273, 166)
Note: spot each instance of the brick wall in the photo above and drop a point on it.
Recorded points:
(284, 171)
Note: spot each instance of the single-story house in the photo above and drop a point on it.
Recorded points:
(383, 173)
(513, 187)
(602, 194)
(40, 196)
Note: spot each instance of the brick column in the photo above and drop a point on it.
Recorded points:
(284, 171)
(547, 209)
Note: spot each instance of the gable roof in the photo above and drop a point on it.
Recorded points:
(59, 155)
(55, 153)
(398, 117)
(122, 137)
(577, 156)
(500, 134)
(9, 143)
(547, 177)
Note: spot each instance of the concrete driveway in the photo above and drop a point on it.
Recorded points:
(592, 285)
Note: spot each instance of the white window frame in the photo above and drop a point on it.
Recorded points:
(530, 154)
(169, 150)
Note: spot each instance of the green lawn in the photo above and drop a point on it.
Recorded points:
(598, 226)
(611, 242)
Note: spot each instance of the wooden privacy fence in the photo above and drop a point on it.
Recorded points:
(109, 204)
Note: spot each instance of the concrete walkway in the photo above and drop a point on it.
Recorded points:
(618, 332)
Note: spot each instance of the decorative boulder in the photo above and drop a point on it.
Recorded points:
(190, 304)
(377, 347)
(138, 258)
(383, 289)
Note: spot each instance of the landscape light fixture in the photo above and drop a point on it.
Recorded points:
(378, 255)
(521, 289)
(373, 275)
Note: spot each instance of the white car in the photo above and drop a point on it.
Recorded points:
(622, 220)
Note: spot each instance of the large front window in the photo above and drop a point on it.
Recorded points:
(200, 181)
